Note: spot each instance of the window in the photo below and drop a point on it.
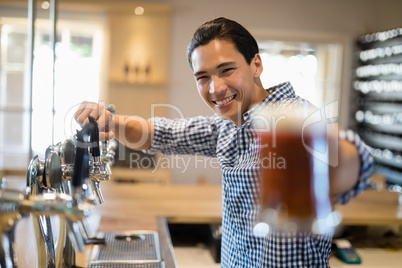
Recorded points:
(14, 98)
(77, 77)
(312, 68)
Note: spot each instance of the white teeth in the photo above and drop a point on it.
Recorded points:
(222, 102)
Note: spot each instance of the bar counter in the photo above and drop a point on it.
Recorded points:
(131, 206)
(203, 204)
(144, 206)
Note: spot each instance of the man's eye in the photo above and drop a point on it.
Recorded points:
(201, 78)
(227, 70)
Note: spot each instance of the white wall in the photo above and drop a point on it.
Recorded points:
(345, 18)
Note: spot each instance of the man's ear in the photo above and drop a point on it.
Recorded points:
(257, 64)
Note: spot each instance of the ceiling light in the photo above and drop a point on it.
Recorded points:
(45, 5)
(139, 10)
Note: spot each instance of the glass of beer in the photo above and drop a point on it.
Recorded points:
(294, 169)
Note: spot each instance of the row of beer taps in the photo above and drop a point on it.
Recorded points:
(66, 185)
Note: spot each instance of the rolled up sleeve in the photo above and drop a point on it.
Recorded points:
(366, 168)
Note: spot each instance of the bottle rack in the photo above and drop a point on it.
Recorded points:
(377, 100)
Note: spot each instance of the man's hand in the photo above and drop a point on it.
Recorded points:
(103, 117)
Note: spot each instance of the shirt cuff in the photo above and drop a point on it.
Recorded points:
(154, 148)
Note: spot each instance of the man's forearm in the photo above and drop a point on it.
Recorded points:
(133, 131)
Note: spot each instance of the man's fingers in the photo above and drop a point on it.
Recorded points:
(83, 111)
(105, 120)
(88, 108)
(103, 117)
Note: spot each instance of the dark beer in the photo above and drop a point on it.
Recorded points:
(295, 183)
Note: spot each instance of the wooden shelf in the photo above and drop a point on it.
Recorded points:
(137, 85)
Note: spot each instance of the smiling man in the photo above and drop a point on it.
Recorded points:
(227, 67)
(228, 83)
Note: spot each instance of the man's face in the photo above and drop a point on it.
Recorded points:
(224, 79)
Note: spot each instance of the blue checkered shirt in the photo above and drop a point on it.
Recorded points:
(236, 151)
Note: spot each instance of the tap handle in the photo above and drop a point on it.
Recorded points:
(95, 152)
(81, 162)
(79, 158)
(81, 167)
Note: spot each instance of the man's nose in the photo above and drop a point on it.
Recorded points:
(217, 85)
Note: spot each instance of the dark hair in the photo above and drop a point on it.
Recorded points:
(224, 29)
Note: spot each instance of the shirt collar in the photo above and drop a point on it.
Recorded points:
(282, 91)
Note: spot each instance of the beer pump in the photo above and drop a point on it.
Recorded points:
(97, 172)
(65, 184)
(50, 176)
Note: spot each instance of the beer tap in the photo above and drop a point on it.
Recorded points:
(52, 176)
(56, 186)
(75, 169)
(80, 176)
(98, 172)
(84, 140)
(42, 177)
(67, 155)
(108, 147)
(65, 252)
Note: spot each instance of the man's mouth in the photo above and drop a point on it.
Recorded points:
(224, 101)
